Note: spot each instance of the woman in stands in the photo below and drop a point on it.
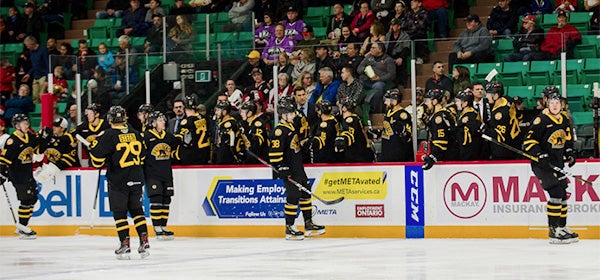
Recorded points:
(306, 63)
(362, 21)
(462, 78)
(305, 80)
(376, 34)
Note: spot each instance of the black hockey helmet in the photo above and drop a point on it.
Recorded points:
(60, 122)
(287, 99)
(324, 106)
(17, 118)
(223, 105)
(190, 102)
(494, 87)
(435, 94)
(155, 116)
(553, 95)
(146, 108)
(393, 94)
(95, 107)
(465, 95)
(348, 102)
(249, 106)
(284, 106)
(550, 90)
(116, 114)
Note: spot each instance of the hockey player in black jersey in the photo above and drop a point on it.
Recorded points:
(91, 126)
(323, 141)
(160, 147)
(17, 158)
(285, 154)
(143, 114)
(231, 145)
(121, 149)
(194, 135)
(351, 139)
(441, 127)
(256, 129)
(396, 137)
(550, 139)
(59, 147)
(504, 124)
(468, 127)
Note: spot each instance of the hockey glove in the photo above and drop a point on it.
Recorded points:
(45, 132)
(543, 160)
(283, 172)
(569, 157)
(429, 161)
(340, 144)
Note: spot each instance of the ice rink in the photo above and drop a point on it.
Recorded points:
(91, 257)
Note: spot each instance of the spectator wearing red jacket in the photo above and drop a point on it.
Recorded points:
(7, 78)
(437, 10)
(561, 37)
(361, 23)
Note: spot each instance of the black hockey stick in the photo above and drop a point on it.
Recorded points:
(94, 208)
(534, 158)
(12, 212)
(300, 186)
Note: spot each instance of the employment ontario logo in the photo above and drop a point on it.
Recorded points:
(465, 195)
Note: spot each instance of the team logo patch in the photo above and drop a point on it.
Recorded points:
(257, 124)
(438, 120)
(183, 122)
(154, 187)
(403, 116)
(323, 124)
(9, 141)
(465, 119)
(537, 121)
(278, 132)
(498, 116)
(349, 119)
(227, 125)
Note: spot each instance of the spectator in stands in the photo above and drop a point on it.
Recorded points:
(351, 58)
(346, 38)
(258, 91)
(234, 95)
(33, 23)
(376, 34)
(71, 114)
(59, 82)
(244, 74)
(502, 20)
(114, 9)
(154, 40)
(521, 7)
(382, 9)
(322, 60)
(308, 38)
(462, 78)
(182, 35)
(362, 21)
(4, 37)
(279, 43)
(567, 5)
(305, 81)
(106, 60)
(284, 88)
(336, 22)
(283, 7)
(437, 10)
(66, 59)
(119, 78)
(439, 80)
(15, 24)
(351, 87)
(398, 13)
(240, 15)
(85, 60)
(294, 26)
(265, 31)
(397, 44)
(19, 104)
(377, 69)
(39, 67)
(541, 7)
(327, 87)
(51, 46)
(155, 9)
(528, 41)
(474, 45)
(182, 8)
(22, 68)
(561, 37)
(416, 26)
(7, 79)
(134, 21)
(52, 10)
(261, 7)
(101, 92)
(305, 64)
(595, 19)
(284, 65)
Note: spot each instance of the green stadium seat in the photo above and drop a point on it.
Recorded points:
(591, 71)
(588, 47)
(580, 20)
(17, 48)
(585, 130)
(503, 47)
(581, 118)
(138, 41)
(512, 73)
(320, 32)
(223, 17)
(11, 56)
(540, 72)
(97, 32)
(574, 67)
(483, 69)
(104, 22)
(588, 148)
(525, 92)
(548, 20)
(579, 97)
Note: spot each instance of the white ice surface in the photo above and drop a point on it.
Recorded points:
(92, 257)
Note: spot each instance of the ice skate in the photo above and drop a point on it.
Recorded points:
(123, 252)
(558, 235)
(162, 233)
(310, 229)
(573, 236)
(292, 233)
(25, 232)
(144, 248)
(169, 234)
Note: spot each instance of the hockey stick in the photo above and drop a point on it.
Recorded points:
(94, 208)
(300, 186)
(12, 212)
(555, 168)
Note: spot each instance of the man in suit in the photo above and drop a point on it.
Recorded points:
(173, 124)
(483, 108)
(305, 108)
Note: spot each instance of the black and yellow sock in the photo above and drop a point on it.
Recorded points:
(553, 210)
(306, 208)
(290, 211)
(25, 213)
(156, 214)
(140, 224)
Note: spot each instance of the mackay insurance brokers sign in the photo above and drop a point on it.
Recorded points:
(483, 194)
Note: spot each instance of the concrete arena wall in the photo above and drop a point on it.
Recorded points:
(452, 200)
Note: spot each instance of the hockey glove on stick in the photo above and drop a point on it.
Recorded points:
(569, 157)
(429, 161)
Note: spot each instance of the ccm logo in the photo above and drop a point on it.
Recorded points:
(370, 211)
